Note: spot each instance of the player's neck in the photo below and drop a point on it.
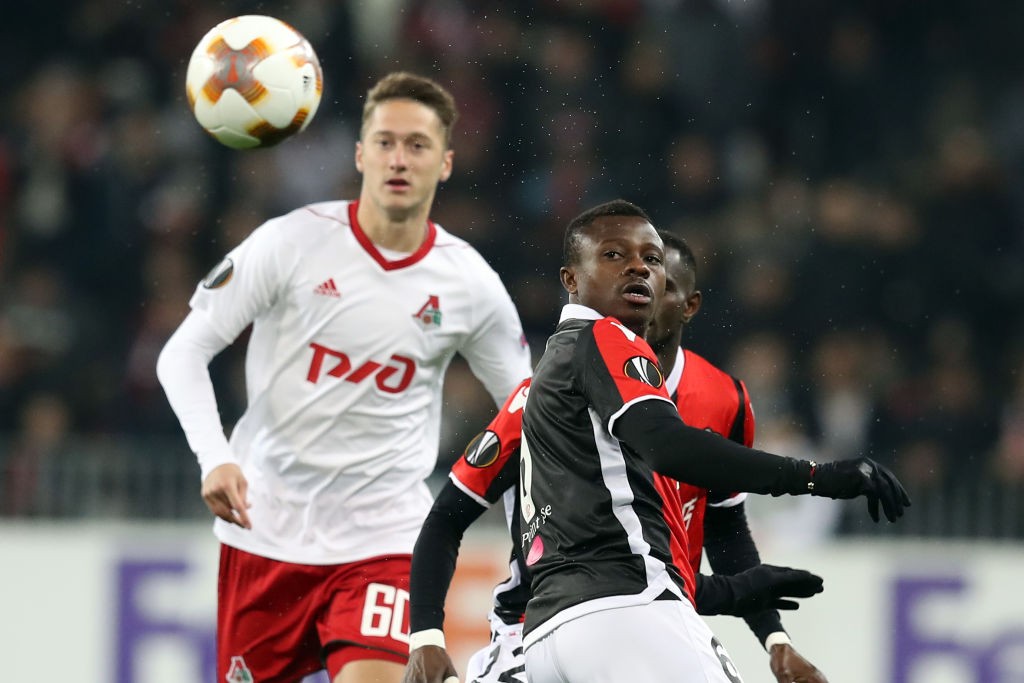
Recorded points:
(667, 353)
(403, 233)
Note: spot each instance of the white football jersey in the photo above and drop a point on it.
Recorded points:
(344, 371)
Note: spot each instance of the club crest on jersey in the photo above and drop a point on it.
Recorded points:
(429, 314)
(483, 450)
(239, 672)
(642, 369)
(220, 275)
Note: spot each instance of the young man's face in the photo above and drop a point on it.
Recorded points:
(402, 157)
(620, 271)
(680, 303)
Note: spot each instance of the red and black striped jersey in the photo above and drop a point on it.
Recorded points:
(708, 398)
(593, 527)
(487, 471)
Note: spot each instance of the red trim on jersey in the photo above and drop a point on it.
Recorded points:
(708, 398)
(678, 538)
(507, 425)
(617, 346)
(620, 347)
(371, 249)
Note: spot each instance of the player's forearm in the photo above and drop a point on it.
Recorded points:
(654, 431)
(183, 371)
(435, 554)
(731, 549)
(727, 540)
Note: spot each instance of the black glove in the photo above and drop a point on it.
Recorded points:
(860, 477)
(765, 586)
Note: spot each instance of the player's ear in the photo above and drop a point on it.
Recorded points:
(359, 156)
(446, 165)
(691, 306)
(568, 276)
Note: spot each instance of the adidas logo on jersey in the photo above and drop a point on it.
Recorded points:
(328, 288)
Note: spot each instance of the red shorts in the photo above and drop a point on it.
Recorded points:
(279, 621)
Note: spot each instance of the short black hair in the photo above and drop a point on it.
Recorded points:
(674, 241)
(574, 231)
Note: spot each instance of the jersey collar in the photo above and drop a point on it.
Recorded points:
(674, 377)
(367, 244)
(578, 312)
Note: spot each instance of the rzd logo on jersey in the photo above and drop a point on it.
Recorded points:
(391, 377)
(642, 369)
(429, 314)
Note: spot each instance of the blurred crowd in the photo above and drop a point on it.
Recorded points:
(850, 175)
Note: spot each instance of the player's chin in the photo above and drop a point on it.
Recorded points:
(635, 316)
(398, 199)
(399, 207)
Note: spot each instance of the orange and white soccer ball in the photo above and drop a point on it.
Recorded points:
(253, 81)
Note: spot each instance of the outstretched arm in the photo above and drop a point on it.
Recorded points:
(653, 430)
(433, 565)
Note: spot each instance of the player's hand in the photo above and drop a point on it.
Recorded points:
(225, 492)
(790, 667)
(861, 477)
(767, 586)
(754, 590)
(429, 664)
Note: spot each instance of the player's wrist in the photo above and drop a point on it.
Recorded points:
(776, 638)
(211, 459)
(795, 477)
(430, 636)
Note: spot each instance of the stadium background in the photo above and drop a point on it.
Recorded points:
(851, 175)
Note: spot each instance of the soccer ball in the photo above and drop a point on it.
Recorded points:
(253, 81)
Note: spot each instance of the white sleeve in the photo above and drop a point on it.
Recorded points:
(496, 350)
(248, 282)
(240, 289)
(183, 371)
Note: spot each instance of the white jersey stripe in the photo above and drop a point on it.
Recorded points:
(613, 471)
(483, 502)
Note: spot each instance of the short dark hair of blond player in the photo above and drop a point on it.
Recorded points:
(402, 85)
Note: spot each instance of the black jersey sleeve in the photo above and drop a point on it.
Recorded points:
(731, 549)
(435, 553)
(653, 430)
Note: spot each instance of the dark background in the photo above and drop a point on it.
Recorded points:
(849, 174)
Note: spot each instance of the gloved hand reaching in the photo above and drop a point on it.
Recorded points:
(765, 586)
(845, 479)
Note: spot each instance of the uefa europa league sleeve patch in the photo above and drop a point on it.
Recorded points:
(220, 275)
(483, 450)
(642, 369)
